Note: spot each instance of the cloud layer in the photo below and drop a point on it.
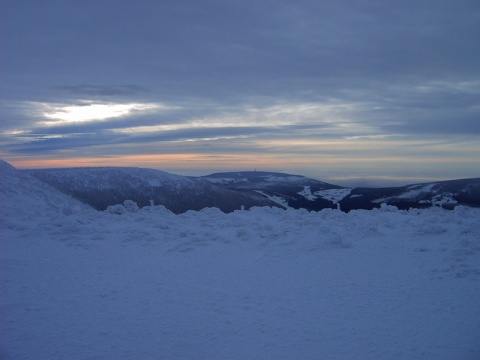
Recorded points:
(335, 90)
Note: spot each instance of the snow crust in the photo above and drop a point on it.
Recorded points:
(260, 284)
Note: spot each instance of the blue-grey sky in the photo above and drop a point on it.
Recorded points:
(336, 90)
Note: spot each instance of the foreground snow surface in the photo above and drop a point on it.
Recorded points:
(258, 284)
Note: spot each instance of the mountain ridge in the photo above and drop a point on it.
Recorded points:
(101, 187)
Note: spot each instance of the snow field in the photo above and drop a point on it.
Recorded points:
(258, 284)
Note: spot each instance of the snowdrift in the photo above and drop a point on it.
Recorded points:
(259, 284)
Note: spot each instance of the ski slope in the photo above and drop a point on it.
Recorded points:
(259, 284)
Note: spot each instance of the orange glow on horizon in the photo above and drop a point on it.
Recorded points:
(218, 161)
(165, 161)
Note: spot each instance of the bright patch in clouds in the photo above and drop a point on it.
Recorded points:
(90, 111)
(333, 117)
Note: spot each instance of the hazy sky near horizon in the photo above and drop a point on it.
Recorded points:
(336, 90)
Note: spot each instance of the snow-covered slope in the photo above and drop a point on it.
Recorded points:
(447, 194)
(25, 196)
(260, 284)
(241, 286)
(300, 192)
(288, 190)
(105, 186)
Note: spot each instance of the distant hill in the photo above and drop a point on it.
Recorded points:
(101, 187)
(301, 192)
(285, 189)
(446, 194)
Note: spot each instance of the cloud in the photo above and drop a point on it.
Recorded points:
(94, 91)
(63, 126)
(304, 77)
(82, 124)
(85, 111)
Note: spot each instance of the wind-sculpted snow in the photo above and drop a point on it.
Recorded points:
(260, 284)
(21, 194)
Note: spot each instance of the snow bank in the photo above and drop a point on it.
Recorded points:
(25, 197)
(265, 283)
(259, 284)
(128, 206)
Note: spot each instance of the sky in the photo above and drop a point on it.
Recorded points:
(351, 92)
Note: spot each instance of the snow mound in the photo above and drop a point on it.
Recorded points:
(24, 196)
(265, 283)
(119, 209)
